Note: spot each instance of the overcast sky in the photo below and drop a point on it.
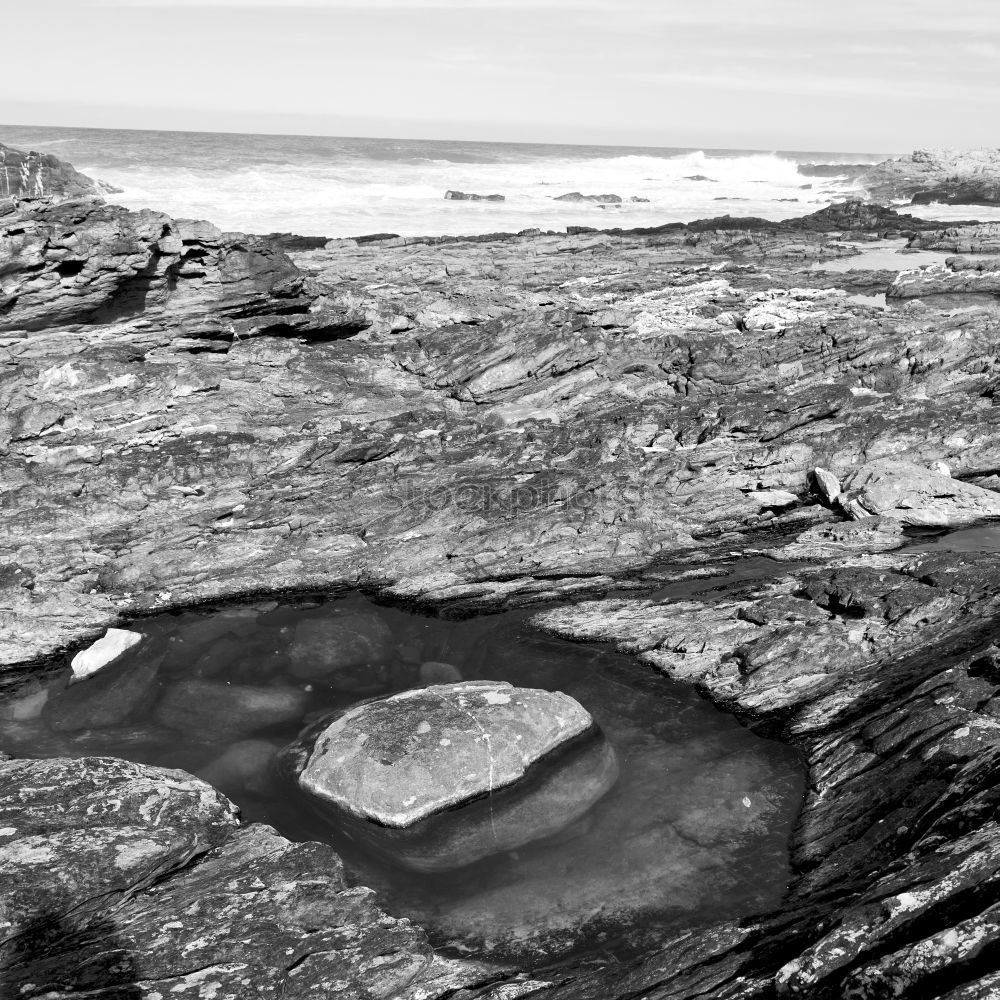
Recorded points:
(877, 75)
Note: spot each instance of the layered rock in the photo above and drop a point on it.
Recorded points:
(32, 176)
(410, 767)
(957, 276)
(956, 177)
(565, 415)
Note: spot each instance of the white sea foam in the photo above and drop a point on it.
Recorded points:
(343, 187)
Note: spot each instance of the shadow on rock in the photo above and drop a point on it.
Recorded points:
(53, 956)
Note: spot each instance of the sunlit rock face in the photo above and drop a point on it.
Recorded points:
(442, 776)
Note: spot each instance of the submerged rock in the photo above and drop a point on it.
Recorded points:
(403, 765)
(346, 649)
(915, 495)
(214, 710)
(122, 690)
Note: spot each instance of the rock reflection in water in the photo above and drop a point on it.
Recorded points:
(695, 828)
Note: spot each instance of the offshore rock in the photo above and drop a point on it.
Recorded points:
(463, 196)
(964, 177)
(31, 176)
(597, 199)
(408, 762)
(915, 496)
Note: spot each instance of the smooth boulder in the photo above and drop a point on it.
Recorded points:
(442, 776)
(346, 649)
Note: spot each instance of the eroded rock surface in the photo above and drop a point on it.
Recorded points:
(471, 423)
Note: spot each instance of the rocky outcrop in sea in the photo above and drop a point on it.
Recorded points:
(32, 176)
(601, 419)
(953, 177)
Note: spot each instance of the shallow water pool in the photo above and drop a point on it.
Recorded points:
(696, 828)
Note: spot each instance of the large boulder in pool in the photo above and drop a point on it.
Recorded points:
(343, 648)
(439, 777)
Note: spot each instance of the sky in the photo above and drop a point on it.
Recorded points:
(850, 75)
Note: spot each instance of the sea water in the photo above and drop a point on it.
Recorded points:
(695, 829)
(335, 187)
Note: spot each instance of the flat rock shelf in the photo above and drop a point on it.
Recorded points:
(689, 821)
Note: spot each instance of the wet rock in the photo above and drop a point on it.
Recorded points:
(432, 672)
(347, 649)
(244, 765)
(107, 649)
(212, 710)
(405, 765)
(959, 177)
(31, 175)
(397, 760)
(597, 199)
(915, 495)
(463, 196)
(122, 690)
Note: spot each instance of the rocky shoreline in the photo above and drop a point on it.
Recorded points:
(475, 424)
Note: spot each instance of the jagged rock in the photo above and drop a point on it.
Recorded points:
(975, 238)
(544, 425)
(963, 177)
(463, 196)
(88, 263)
(915, 495)
(107, 649)
(30, 176)
(408, 764)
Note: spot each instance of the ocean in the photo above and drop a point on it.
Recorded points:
(328, 186)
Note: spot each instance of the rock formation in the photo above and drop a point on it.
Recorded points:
(967, 177)
(462, 196)
(190, 416)
(41, 176)
(597, 199)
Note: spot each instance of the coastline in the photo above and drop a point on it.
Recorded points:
(480, 423)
